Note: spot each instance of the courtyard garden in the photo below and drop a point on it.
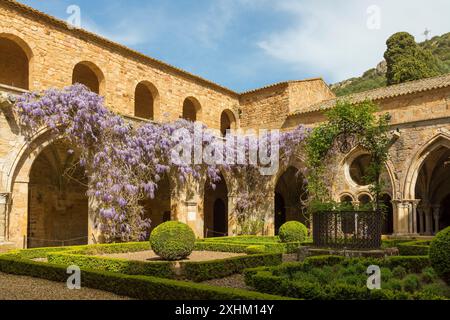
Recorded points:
(328, 260)
(173, 265)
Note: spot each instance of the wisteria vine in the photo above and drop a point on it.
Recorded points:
(125, 161)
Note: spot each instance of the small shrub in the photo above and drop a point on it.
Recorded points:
(255, 249)
(172, 240)
(386, 274)
(399, 272)
(440, 254)
(428, 275)
(411, 283)
(293, 231)
(393, 284)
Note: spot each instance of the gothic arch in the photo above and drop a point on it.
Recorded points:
(439, 140)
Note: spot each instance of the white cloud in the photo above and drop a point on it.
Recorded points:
(331, 37)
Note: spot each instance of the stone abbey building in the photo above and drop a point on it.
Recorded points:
(40, 207)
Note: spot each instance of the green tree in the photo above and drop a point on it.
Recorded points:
(407, 61)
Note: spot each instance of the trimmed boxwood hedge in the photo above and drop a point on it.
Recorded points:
(240, 244)
(269, 280)
(206, 270)
(414, 248)
(138, 287)
(163, 269)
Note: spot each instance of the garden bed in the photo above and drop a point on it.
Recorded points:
(337, 278)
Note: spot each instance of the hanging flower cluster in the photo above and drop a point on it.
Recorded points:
(124, 162)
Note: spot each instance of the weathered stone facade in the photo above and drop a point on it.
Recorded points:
(37, 207)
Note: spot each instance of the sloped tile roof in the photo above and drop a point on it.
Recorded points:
(383, 93)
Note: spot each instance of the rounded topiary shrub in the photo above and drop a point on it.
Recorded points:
(440, 254)
(172, 240)
(293, 231)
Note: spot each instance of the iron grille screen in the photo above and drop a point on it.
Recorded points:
(347, 229)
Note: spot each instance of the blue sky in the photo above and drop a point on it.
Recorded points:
(245, 44)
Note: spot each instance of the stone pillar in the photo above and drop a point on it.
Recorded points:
(405, 216)
(436, 215)
(414, 205)
(232, 219)
(428, 220)
(3, 215)
(421, 220)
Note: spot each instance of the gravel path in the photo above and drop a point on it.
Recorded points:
(195, 256)
(235, 281)
(25, 288)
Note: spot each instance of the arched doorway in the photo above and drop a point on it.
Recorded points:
(57, 200)
(144, 100)
(432, 189)
(158, 209)
(215, 209)
(220, 220)
(191, 109)
(388, 219)
(88, 74)
(289, 193)
(14, 63)
(227, 121)
(280, 212)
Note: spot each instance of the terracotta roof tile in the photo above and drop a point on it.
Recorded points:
(383, 93)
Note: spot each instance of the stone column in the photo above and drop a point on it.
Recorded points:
(436, 215)
(428, 220)
(414, 205)
(232, 219)
(3, 215)
(421, 220)
(401, 219)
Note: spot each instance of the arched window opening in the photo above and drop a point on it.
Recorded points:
(227, 122)
(144, 101)
(191, 108)
(14, 64)
(364, 199)
(88, 74)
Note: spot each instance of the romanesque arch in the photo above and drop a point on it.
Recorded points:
(15, 61)
(158, 209)
(428, 182)
(289, 194)
(146, 99)
(90, 75)
(227, 121)
(191, 109)
(215, 209)
(57, 200)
